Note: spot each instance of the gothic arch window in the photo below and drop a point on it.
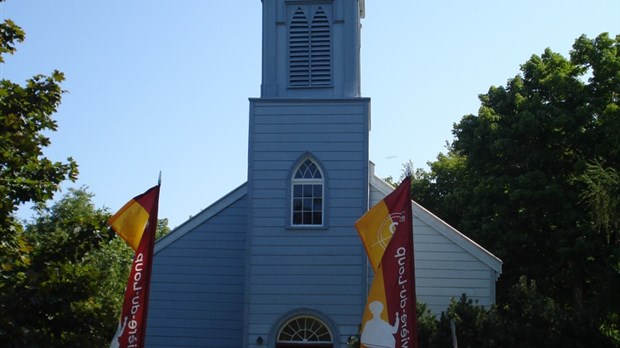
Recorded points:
(307, 194)
(309, 47)
(304, 332)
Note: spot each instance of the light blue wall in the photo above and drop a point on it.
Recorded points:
(197, 284)
(319, 269)
(302, 271)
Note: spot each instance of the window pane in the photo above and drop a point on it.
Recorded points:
(308, 190)
(297, 218)
(317, 173)
(312, 170)
(307, 218)
(317, 190)
(317, 218)
(317, 204)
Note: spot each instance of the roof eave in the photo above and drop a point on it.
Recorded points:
(201, 217)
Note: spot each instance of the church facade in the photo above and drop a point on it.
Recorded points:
(277, 262)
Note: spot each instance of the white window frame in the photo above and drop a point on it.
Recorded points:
(305, 182)
(305, 330)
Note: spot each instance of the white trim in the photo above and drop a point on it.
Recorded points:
(444, 229)
(201, 217)
(303, 182)
(301, 342)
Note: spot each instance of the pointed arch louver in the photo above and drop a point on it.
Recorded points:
(320, 50)
(299, 45)
(309, 49)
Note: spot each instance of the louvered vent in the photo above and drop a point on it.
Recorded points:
(299, 47)
(320, 50)
(310, 50)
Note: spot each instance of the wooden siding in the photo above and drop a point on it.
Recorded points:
(316, 269)
(445, 271)
(198, 282)
(447, 264)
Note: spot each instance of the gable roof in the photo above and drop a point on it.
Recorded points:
(201, 217)
(444, 228)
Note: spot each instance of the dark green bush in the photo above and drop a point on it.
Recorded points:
(527, 318)
(427, 326)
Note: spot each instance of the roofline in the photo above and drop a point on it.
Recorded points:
(444, 228)
(201, 217)
(419, 211)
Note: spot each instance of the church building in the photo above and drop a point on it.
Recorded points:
(277, 262)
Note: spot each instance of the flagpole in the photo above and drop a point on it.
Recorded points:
(408, 169)
(149, 262)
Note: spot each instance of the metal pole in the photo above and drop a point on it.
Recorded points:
(455, 344)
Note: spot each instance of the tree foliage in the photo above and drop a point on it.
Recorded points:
(62, 275)
(533, 178)
(25, 114)
(26, 175)
(69, 291)
(601, 192)
(67, 294)
(527, 319)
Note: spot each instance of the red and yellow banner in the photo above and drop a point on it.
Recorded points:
(386, 231)
(131, 220)
(136, 223)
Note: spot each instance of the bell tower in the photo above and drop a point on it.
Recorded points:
(307, 177)
(311, 49)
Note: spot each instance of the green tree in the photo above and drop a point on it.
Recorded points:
(516, 177)
(475, 325)
(26, 175)
(70, 291)
(62, 276)
(600, 194)
(444, 187)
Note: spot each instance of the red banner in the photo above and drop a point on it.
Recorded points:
(131, 331)
(390, 318)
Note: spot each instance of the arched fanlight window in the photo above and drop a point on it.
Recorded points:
(304, 331)
(307, 201)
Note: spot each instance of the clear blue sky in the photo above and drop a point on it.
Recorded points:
(164, 86)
